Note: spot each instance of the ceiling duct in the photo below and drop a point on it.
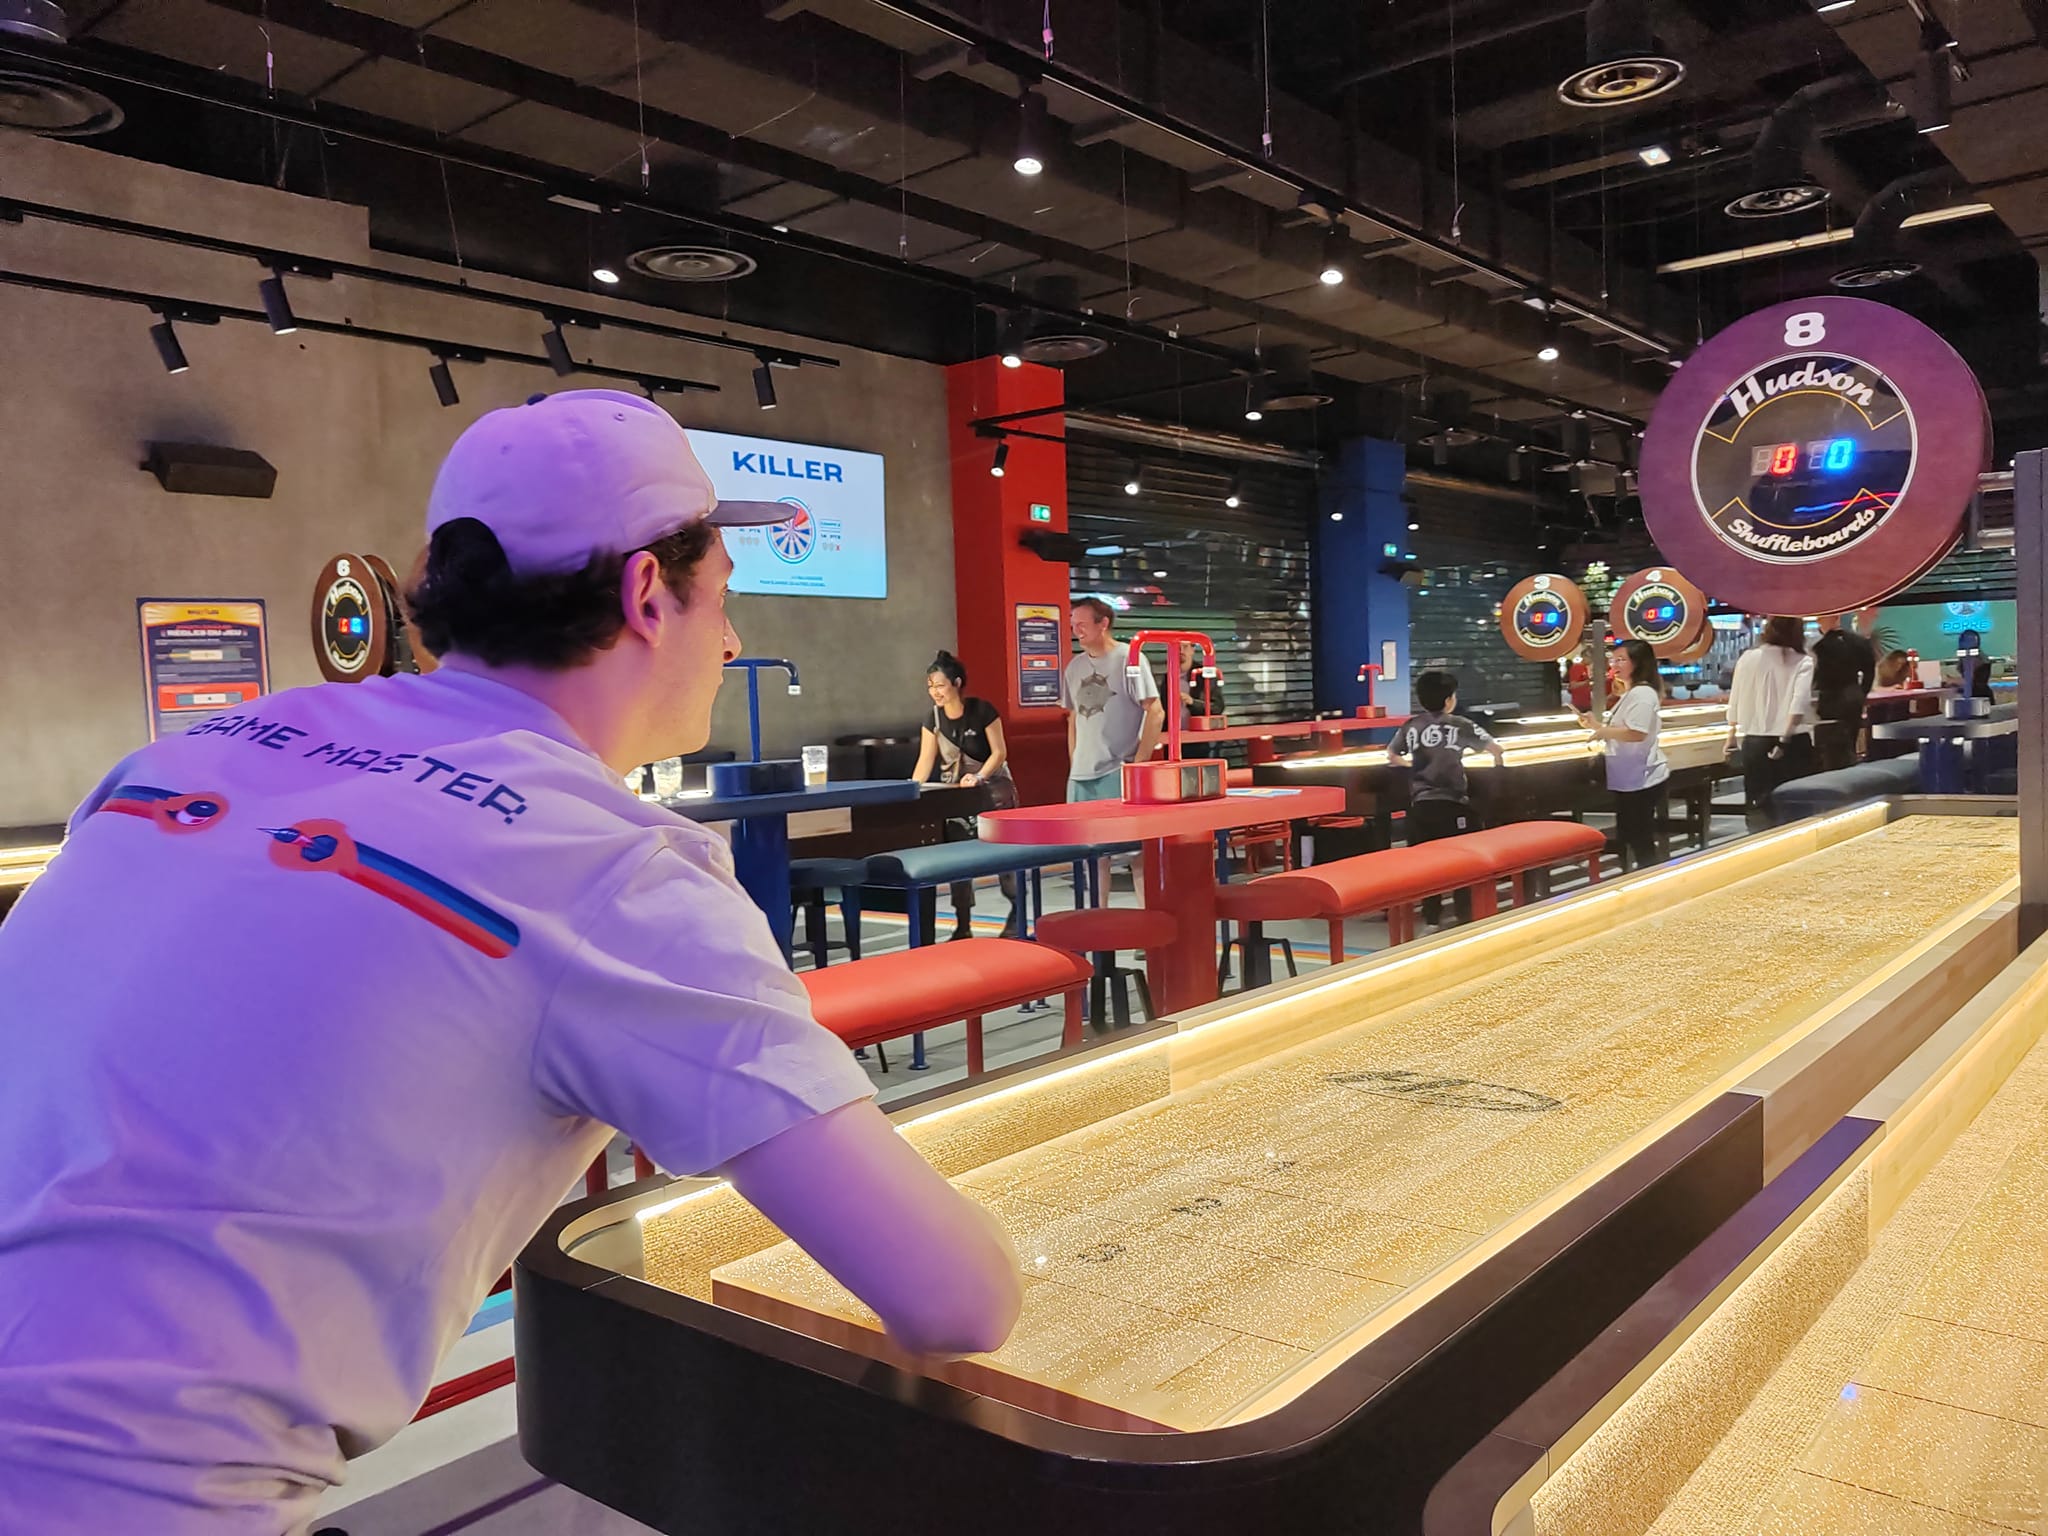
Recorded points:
(43, 20)
(32, 102)
(1779, 182)
(1623, 62)
(691, 263)
(1291, 382)
(1050, 336)
(1451, 410)
(1877, 256)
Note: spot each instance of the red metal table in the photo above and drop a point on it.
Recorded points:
(1180, 863)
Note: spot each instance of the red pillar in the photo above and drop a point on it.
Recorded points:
(994, 574)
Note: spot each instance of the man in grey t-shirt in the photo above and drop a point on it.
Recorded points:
(1112, 718)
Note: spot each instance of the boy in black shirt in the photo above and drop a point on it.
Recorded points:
(1432, 744)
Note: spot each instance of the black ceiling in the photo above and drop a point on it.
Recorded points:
(860, 151)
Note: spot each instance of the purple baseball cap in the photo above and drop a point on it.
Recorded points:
(581, 473)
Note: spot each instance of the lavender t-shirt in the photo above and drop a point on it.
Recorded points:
(321, 1010)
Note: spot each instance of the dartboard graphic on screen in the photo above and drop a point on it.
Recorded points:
(1806, 456)
(792, 541)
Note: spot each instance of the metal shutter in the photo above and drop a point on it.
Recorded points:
(1472, 549)
(1174, 557)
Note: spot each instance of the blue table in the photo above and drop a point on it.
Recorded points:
(760, 834)
(1957, 756)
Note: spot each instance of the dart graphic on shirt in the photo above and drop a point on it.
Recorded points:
(170, 810)
(325, 847)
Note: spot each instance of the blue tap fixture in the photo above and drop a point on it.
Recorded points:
(752, 665)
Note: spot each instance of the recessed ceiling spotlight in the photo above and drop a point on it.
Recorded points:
(1549, 353)
(605, 275)
(1654, 154)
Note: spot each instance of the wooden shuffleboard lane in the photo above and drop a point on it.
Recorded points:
(1191, 1259)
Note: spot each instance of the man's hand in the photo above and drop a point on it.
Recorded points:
(1500, 756)
(970, 779)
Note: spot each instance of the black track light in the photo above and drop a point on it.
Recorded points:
(1031, 135)
(444, 382)
(166, 338)
(1234, 497)
(557, 346)
(1002, 458)
(1336, 254)
(277, 304)
(1134, 481)
(764, 385)
(1255, 400)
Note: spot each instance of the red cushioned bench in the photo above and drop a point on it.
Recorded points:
(885, 997)
(1393, 880)
(1525, 847)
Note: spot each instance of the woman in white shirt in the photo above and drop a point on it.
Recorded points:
(1770, 715)
(1636, 769)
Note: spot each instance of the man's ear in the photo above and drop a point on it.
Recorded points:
(643, 595)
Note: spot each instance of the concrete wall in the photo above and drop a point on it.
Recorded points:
(355, 433)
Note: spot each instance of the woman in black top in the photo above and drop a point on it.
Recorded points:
(964, 741)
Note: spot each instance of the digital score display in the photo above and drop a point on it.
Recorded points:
(1833, 456)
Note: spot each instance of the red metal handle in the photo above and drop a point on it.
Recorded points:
(1173, 640)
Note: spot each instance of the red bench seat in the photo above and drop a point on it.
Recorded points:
(1394, 879)
(884, 997)
(1521, 846)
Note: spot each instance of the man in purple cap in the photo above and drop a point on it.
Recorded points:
(326, 1003)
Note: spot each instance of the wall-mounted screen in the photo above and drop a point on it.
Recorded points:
(834, 544)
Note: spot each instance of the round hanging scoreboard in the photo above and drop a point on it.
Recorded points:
(359, 625)
(1542, 617)
(1814, 457)
(1660, 607)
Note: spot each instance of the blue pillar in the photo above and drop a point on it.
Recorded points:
(1356, 609)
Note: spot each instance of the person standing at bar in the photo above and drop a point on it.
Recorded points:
(1769, 703)
(964, 741)
(1636, 769)
(1113, 718)
(1844, 668)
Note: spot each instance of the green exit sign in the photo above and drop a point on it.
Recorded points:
(1040, 512)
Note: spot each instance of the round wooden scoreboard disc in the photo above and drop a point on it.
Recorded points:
(1660, 607)
(1698, 646)
(1814, 456)
(355, 613)
(1542, 617)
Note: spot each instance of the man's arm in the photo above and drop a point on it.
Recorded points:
(1149, 732)
(858, 1198)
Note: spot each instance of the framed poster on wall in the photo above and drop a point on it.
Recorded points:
(200, 656)
(1041, 655)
